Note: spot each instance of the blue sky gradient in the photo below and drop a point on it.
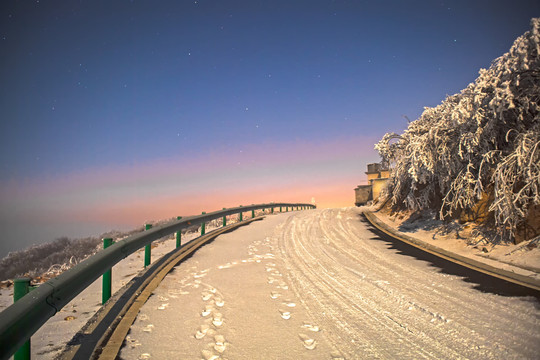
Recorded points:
(107, 89)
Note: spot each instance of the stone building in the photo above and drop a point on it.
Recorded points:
(377, 176)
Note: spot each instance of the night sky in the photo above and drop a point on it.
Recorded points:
(114, 113)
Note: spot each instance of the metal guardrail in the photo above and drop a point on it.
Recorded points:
(22, 319)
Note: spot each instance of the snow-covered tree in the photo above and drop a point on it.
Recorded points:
(483, 141)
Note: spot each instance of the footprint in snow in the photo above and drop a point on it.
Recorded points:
(219, 302)
(274, 295)
(220, 345)
(311, 327)
(208, 355)
(217, 321)
(336, 355)
(133, 343)
(208, 309)
(207, 295)
(283, 286)
(148, 328)
(173, 293)
(308, 342)
(285, 314)
(163, 306)
(289, 304)
(144, 356)
(203, 330)
(226, 266)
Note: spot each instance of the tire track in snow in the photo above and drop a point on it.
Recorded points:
(336, 290)
(374, 302)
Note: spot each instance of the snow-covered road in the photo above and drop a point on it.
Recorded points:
(319, 284)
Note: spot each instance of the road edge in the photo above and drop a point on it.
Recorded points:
(450, 256)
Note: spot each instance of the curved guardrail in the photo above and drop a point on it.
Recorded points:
(22, 319)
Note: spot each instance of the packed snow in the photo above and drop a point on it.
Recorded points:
(319, 284)
(315, 284)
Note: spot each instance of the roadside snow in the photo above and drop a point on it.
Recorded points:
(50, 339)
(523, 258)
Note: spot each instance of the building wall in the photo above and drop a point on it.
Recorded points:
(377, 185)
(377, 178)
(362, 194)
(371, 176)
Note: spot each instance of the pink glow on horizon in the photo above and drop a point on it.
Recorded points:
(337, 194)
(130, 195)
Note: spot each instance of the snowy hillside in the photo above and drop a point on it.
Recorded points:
(480, 147)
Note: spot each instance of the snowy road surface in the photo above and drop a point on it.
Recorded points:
(319, 284)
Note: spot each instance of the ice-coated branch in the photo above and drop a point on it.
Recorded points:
(483, 141)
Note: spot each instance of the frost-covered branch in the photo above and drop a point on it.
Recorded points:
(486, 139)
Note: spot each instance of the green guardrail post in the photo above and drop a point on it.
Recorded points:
(106, 289)
(147, 248)
(203, 225)
(252, 213)
(272, 210)
(179, 235)
(224, 219)
(20, 288)
(240, 214)
(280, 209)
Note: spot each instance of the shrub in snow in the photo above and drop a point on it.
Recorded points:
(483, 143)
(50, 258)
